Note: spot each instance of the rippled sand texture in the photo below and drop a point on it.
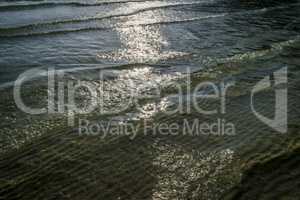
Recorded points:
(130, 48)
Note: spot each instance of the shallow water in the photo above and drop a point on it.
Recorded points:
(131, 48)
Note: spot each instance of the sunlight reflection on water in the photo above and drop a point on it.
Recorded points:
(142, 43)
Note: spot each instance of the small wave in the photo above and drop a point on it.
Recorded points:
(81, 67)
(276, 47)
(7, 85)
(19, 32)
(33, 29)
(90, 19)
(214, 68)
(12, 7)
(50, 32)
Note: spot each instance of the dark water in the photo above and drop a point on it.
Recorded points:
(139, 45)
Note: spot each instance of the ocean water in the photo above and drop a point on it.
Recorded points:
(126, 49)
